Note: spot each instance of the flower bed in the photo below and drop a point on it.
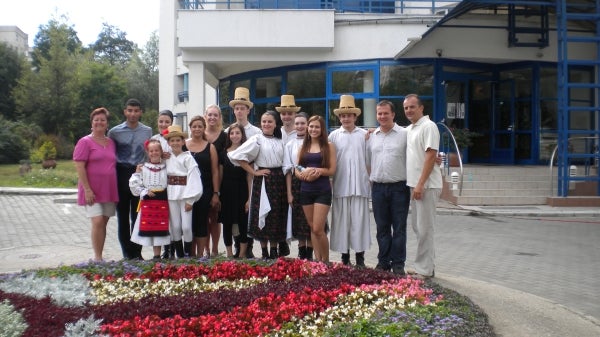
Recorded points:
(226, 298)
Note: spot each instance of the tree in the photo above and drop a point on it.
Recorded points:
(99, 85)
(13, 148)
(112, 46)
(141, 74)
(49, 97)
(43, 39)
(10, 71)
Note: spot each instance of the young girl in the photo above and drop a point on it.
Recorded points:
(300, 228)
(235, 184)
(317, 156)
(149, 182)
(268, 205)
(165, 119)
(184, 188)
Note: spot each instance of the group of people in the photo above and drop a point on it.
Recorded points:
(271, 184)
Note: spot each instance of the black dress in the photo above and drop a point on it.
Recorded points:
(234, 195)
(202, 206)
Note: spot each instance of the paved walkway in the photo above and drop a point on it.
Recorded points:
(535, 270)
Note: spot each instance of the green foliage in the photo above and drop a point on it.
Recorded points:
(13, 141)
(44, 39)
(12, 323)
(464, 137)
(112, 46)
(46, 151)
(10, 71)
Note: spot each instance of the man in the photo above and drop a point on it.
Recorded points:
(390, 195)
(241, 106)
(287, 111)
(350, 217)
(129, 138)
(425, 180)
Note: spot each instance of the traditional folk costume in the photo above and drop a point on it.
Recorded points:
(183, 186)
(151, 227)
(268, 203)
(300, 228)
(350, 218)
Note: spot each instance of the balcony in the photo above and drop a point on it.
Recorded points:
(340, 6)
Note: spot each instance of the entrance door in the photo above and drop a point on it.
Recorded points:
(503, 133)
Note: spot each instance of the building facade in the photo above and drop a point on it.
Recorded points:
(16, 38)
(522, 75)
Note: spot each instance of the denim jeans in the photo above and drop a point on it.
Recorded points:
(390, 209)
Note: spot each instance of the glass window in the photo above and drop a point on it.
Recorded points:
(548, 83)
(352, 81)
(402, 79)
(224, 94)
(268, 87)
(306, 83)
(521, 79)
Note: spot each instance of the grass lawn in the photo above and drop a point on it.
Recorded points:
(64, 175)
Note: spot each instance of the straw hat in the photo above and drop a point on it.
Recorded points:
(287, 104)
(347, 106)
(174, 131)
(241, 96)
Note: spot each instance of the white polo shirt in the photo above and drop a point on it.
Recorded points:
(422, 135)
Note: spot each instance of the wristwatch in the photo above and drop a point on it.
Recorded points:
(217, 193)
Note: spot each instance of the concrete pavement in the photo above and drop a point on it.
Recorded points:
(535, 270)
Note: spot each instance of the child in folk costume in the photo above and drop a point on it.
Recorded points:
(184, 188)
(149, 182)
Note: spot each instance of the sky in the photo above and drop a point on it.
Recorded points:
(137, 18)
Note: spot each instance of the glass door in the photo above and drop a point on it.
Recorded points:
(503, 133)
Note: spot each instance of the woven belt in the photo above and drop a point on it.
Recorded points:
(176, 180)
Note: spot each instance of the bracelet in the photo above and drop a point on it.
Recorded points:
(217, 193)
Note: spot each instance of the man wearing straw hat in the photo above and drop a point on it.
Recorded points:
(350, 218)
(287, 111)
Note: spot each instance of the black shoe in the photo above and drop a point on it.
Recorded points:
(398, 270)
(265, 253)
(346, 259)
(273, 255)
(249, 253)
(382, 267)
(166, 252)
(156, 258)
(284, 249)
(360, 260)
(309, 253)
(302, 253)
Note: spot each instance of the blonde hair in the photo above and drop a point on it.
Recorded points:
(220, 121)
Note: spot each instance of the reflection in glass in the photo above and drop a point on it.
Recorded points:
(268, 87)
(306, 83)
(353, 81)
(397, 80)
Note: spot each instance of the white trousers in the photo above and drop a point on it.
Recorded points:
(180, 221)
(350, 224)
(423, 217)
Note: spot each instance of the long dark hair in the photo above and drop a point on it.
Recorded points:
(278, 123)
(228, 142)
(323, 143)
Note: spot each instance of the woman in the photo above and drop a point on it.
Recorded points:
(165, 119)
(216, 136)
(300, 229)
(317, 162)
(207, 159)
(268, 204)
(235, 184)
(95, 161)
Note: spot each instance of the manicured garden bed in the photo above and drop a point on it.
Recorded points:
(287, 297)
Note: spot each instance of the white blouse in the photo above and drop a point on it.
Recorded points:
(265, 152)
(152, 178)
(184, 165)
(290, 157)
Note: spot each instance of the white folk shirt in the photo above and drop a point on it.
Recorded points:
(387, 155)
(152, 178)
(290, 156)
(184, 165)
(351, 177)
(422, 135)
(266, 152)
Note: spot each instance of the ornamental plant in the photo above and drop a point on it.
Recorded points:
(287, 297)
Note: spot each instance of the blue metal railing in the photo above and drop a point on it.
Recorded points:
(340, 6)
